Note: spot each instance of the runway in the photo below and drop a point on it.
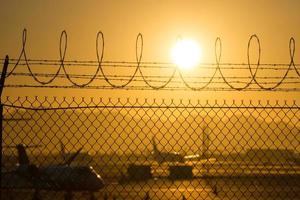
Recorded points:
(218, 180)
(199, 188)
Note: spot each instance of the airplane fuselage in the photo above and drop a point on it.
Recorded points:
(162, 157)
(57, 178)
(72, 178)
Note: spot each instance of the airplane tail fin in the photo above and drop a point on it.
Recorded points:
(155, 150)
(62, 151)
(22, 155)
(205, 141)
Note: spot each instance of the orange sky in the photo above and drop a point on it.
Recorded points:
(160, 22)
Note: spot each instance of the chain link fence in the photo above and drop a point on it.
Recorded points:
(62, 148)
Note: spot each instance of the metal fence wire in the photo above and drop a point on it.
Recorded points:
(88, 148)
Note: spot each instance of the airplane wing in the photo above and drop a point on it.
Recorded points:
(16, 119)
(192, 157)
(198, 158)
(72, 157)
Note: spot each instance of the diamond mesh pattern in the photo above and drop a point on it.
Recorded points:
(151, 149)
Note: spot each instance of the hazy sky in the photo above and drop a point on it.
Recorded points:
(160, 22)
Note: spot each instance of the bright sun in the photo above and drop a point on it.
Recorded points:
(186, 54)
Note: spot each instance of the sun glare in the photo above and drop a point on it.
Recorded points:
(186, 54)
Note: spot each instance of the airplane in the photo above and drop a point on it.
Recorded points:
(62, 177)
(162, 157)
(176, 157)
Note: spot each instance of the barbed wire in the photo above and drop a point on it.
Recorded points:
(217, 67)
(129, 64)
(125, 77)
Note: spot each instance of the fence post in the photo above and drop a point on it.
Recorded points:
(2, 80)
